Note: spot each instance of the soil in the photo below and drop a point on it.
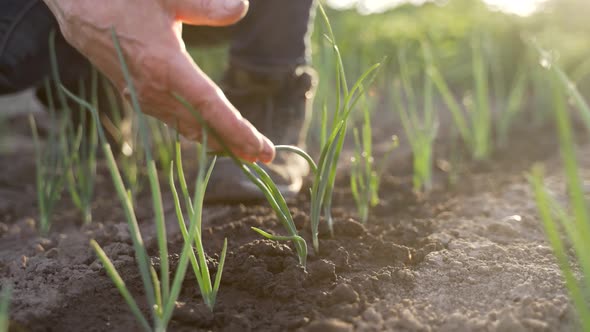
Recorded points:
(471, 256)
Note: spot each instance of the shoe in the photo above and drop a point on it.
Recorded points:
(278, 103)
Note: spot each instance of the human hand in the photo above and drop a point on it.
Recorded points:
(149, 32)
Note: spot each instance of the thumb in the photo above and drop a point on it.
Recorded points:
(209, 12)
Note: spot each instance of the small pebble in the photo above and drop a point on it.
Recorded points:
(30, 222)
(349, 227)
(52, 253)
(39, 249)
(95, 266)
(535, 324)
(323, 270)
(344, 293)
(329, 325)
(371, 315)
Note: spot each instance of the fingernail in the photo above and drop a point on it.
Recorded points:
(233, 5)
(268, 151)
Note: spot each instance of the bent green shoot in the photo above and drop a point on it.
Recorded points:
(420, 127)
(258, 176)
(575, 224)
(5, 296)
(262, 180)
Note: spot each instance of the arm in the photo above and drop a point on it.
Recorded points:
(150, 36)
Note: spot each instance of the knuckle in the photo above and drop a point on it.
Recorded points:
(151, 63)
(150, 74)
(207, 103)
(144, 91)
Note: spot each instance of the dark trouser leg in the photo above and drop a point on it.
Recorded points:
(269, 82)
(274, 33)
(25, 27)
(268, 49)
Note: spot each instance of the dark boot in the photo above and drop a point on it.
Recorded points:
(278, 103)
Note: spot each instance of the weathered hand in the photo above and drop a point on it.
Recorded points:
(150, 35)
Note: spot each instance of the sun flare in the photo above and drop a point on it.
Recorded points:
(521, 7)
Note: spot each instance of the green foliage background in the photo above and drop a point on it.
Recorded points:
(561, 26)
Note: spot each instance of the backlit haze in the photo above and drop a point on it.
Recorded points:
(517, 7)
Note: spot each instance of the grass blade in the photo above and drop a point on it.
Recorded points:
(268, 187)
(559, 249)
(481, 118)
(300, 152)
(160, 228)
(126, 202)
(120, 284)
(448, 98)
(5, 296)
(220, 269)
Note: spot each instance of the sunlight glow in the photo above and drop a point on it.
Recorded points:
(518, 7)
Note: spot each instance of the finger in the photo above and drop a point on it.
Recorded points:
(237, 133)
(188, 126)
(209, 12)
